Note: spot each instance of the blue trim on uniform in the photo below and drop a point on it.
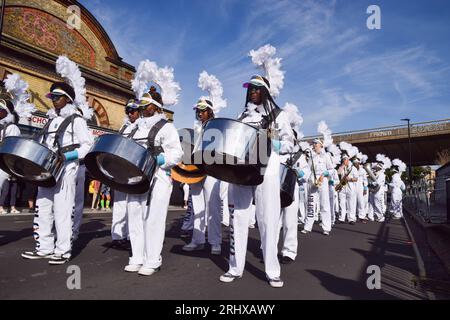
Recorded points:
(301, 173)
(160, 160)
(71, 155)
(276, 145)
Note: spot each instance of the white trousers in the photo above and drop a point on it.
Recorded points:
(147, 224)
(224, 201)
(79, 201)
(376, 205)
(360, 201)
(332, 194)
(188, 219)
(155, 219)
(396, 203)
(288, 221)
(318, 200)
(119, 226)
(267, 201)
(55, 206)
(206, 203)
(302, 202)
(347, 204)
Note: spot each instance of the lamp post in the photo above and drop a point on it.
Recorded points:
(409, 147)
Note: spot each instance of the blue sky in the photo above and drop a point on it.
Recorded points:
(337, 69)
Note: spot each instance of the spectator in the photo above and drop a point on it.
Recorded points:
(9, 188)
(94, 187)
(105, 194)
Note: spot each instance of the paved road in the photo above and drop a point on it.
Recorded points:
(333, 267)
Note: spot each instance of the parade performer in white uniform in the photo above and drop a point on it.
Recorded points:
(318, 187)
(303, 185)
(55, 205)
(333, 180)
(397, 187)
(261, 109)
(376, 198)
(13, 106)
(147, 213)
(348, 176)
(206, 193)
(87, 113)
(289, 215)
(119, 225)
(361, 187)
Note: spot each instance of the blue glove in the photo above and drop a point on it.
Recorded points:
(331, 182)
(326, 174)
(365, 188)
(71, 155)
(160, 159)
(276, 145)
(301, 174)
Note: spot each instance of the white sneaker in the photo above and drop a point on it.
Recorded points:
(216, 249)
(228, 277)
(252, 226)
(380, 220)
(144, 271)
(305, 231)
(132, 267)
(326, 233)
(14, 210)
(193, 247)
(33, 255)
(276, 282)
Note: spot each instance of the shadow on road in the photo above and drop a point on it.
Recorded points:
(13, 236)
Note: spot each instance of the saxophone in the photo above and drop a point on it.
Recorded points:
(343, 182)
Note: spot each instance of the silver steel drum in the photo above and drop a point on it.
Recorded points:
(121, 163)
(233, 151)
(28, 160)
(288, 179)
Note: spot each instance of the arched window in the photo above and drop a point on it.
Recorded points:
(101, 116)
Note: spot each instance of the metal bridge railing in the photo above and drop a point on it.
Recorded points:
(426, 203)
(402, 126)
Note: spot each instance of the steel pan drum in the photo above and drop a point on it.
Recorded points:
(28, 160)
(121, 163)
(288, 179)
(233, 151)
(186, 171)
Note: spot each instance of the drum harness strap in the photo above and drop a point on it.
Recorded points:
(154, 150)
(59, 132)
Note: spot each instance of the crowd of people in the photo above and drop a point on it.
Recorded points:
(335, 183)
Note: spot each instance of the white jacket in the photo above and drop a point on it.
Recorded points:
(350, 186)
(322, 165)
(167, 138)
(79, 132)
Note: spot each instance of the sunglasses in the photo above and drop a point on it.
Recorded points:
(55, 97)
(130, 110)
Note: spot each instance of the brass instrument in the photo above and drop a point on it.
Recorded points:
(317, 181)
(343, 181)
(373, 184)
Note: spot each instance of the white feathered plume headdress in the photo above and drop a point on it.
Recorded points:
(17, 87)
(294, 116)
(148, 71)
(69, 70)
(399, 164)
(214, 88)
(347, 148)
(386, 162)
(335, 153)
(323, 129)
(264, 58)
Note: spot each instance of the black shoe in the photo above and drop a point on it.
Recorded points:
(286, 260)
(352, 223)
(56, 259)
